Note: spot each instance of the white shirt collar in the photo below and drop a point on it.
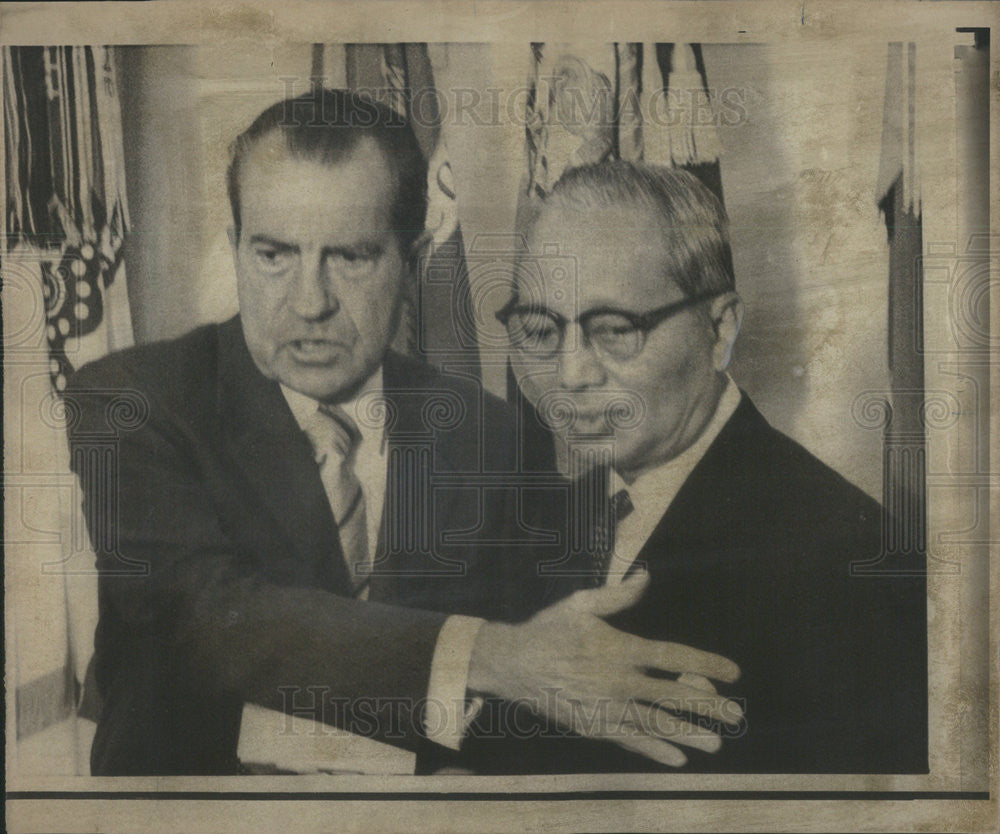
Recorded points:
(304, 407)
(676, 470)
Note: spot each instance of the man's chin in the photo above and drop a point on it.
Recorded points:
(328, 384)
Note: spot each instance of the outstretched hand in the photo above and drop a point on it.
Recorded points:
(572, 668)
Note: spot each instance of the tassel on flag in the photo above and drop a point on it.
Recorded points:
(69, 162)
(629, 84)
(691, 141)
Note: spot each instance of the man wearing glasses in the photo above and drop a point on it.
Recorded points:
(623, 342)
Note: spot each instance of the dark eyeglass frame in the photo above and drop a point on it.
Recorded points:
(642, 322)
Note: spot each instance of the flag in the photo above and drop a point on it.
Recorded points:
(898, 194)
(65, 302)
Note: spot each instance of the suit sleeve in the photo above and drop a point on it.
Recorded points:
(173, 585)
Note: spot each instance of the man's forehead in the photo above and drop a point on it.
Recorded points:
(271, 156)
(605, 251)
(563, 219)
(294, 199)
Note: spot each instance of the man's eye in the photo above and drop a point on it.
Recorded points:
(541, 332)
(273, 260)
(355, 260)
(612, 331)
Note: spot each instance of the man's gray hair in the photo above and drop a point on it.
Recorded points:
(690, 217)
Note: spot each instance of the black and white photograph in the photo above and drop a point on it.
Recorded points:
(500, 417)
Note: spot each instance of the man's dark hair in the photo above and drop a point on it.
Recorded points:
(326, 126)
(680, 207)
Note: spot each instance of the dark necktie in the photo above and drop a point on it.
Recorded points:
(617, 509)
(335, 439)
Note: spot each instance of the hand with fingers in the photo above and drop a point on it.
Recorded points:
(575, 670)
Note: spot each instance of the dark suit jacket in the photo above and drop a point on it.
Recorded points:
(753, 560)
(221, 578)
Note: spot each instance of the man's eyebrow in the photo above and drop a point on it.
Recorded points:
(274, 243)
(590, 312)
(534, 306)
(538, 309)
(600, 307)
(363, 248)
(610, 309)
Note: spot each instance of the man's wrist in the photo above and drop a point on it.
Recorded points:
(490, 670)
(448, 711)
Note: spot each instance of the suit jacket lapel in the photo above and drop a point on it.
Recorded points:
(697, 513)
(703, 570)
(276, 458)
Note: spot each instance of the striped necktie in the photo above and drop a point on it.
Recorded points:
(335, 439)
(618, 507)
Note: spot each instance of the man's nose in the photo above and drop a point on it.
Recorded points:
(312, 295)
(578, 366)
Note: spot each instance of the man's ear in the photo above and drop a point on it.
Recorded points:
(419, 247)
(234, 247)
(727, 317)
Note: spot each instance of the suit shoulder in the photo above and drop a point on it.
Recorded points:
(175, 373)
(795, 478)
(821, 479)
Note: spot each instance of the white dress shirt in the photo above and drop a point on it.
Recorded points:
(654, 491)
(267, 737)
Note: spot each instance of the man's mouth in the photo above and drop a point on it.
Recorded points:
(315, 351)
(590, 421)
(576, 419)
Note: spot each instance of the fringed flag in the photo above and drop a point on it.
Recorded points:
(65, 303)
(66, 192)
(588, 103)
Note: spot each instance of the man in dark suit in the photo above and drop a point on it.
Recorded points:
(266, 494)
(756, 550)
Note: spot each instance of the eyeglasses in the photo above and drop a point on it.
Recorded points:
(615, 334)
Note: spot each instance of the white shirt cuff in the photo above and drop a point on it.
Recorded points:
(449, 711)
